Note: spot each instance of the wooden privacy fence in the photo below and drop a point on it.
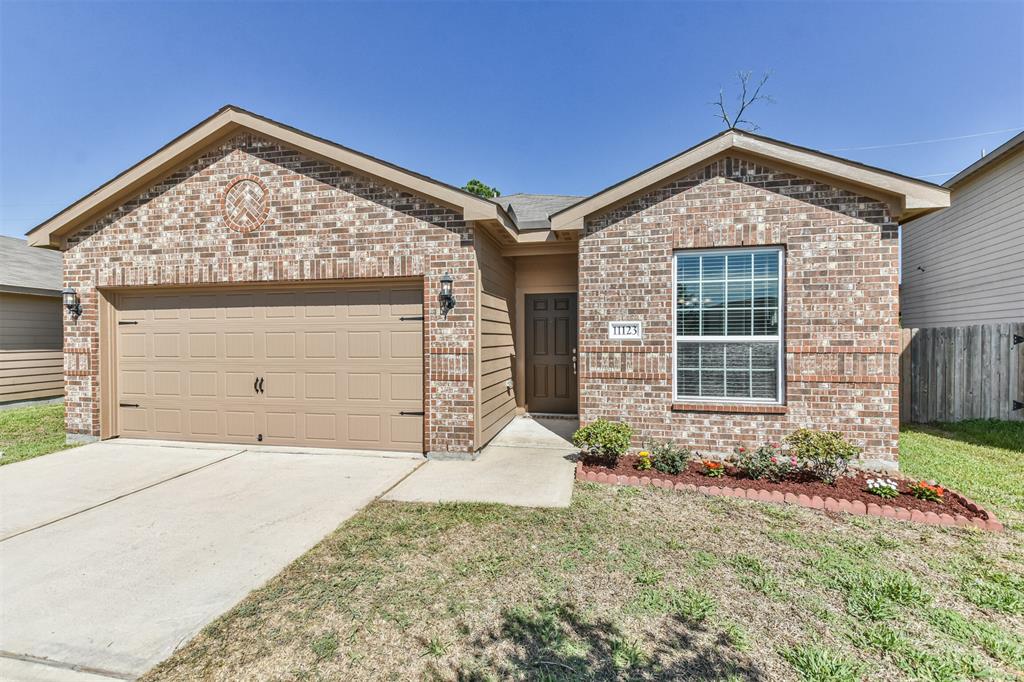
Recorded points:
(956, 373)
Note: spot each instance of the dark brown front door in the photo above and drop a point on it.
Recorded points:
(551, 353)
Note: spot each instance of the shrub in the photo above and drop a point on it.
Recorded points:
(604, 439)
(886, 488)
(767, 461)
(923, 490)
(825, 455)
(669, 458)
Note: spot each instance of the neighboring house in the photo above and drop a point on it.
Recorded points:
(963, 287)
(31, 361)
(250, 282)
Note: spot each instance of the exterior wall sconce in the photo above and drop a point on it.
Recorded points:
(71, 302)
(446, 295)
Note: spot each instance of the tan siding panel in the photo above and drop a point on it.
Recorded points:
(30, 322)
(27, 375)
(495, 402)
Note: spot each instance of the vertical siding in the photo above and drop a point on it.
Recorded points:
(962, 265)
(495, 402)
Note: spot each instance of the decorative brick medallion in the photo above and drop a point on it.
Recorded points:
(246, 204)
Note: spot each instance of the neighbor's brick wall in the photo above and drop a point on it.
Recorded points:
(324, 223)
(841, 307)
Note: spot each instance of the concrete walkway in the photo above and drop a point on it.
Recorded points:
(115, 553)
(528, 464)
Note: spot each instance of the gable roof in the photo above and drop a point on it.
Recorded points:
(532, 211)
(24, 270)
(1017, 141)
(228, 121)
(911, 196)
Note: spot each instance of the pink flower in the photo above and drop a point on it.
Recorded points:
(742, 449)
(774, 461)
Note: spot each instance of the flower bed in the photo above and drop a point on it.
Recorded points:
(849, 494)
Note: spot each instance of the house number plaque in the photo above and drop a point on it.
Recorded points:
(625, 330)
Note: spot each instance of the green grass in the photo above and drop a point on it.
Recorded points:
(982, 459)
(643, 584)
(28, 432)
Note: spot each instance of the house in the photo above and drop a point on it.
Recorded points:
(963, 294)
(31, 361)
(250, 282)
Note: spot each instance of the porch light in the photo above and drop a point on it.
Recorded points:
(446, 295)
(71, 302)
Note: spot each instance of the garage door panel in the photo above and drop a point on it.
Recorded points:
(202, 345)
(321, 386)
(203, 384)
(320, 345)
(338, 365)
(240, 385)
(204, 423)
(240, 424)
(167, 383)
(278, 385)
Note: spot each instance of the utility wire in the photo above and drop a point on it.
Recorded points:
(938, 139)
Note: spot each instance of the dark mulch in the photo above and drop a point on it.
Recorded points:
(853, 487)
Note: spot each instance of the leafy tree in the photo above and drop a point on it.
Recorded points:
(480, 189)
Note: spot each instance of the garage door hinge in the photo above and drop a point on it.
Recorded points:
(405, 413)
(405, 318)
(127, 321)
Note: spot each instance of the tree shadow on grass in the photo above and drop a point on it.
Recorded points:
(989, 433)
(556, 642)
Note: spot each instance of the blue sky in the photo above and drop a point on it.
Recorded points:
(529, 97)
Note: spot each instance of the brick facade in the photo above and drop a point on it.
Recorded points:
(841, 307)
(322, 222)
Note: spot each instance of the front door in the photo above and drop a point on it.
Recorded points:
(551, 353)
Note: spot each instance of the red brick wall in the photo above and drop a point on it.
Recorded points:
(324, 223)
(841, 314)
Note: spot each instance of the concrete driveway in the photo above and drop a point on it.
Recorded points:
(115, 553)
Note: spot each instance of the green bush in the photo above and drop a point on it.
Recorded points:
(766, 461)
(604, 439)
(669, 458)
(824, 454)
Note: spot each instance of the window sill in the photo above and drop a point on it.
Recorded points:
(727, 407)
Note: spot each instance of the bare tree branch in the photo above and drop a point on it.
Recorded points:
(745, 100)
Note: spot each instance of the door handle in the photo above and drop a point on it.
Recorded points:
(574, 362)
(256, 385)
(261, 384)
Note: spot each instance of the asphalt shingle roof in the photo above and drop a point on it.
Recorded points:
(27, 267)
(531, 211)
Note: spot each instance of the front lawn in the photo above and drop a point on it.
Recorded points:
(28, 432)
(635, 583)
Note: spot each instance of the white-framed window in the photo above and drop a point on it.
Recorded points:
(729, 325)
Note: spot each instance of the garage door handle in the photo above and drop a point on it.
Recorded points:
(261, 384)
(405, 413)
(256, 385)
(127, 404)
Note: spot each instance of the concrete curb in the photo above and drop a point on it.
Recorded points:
(855, 507)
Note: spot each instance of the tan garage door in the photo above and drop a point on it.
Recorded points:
(331, 367)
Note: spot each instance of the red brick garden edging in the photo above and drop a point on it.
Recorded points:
(812, 502)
